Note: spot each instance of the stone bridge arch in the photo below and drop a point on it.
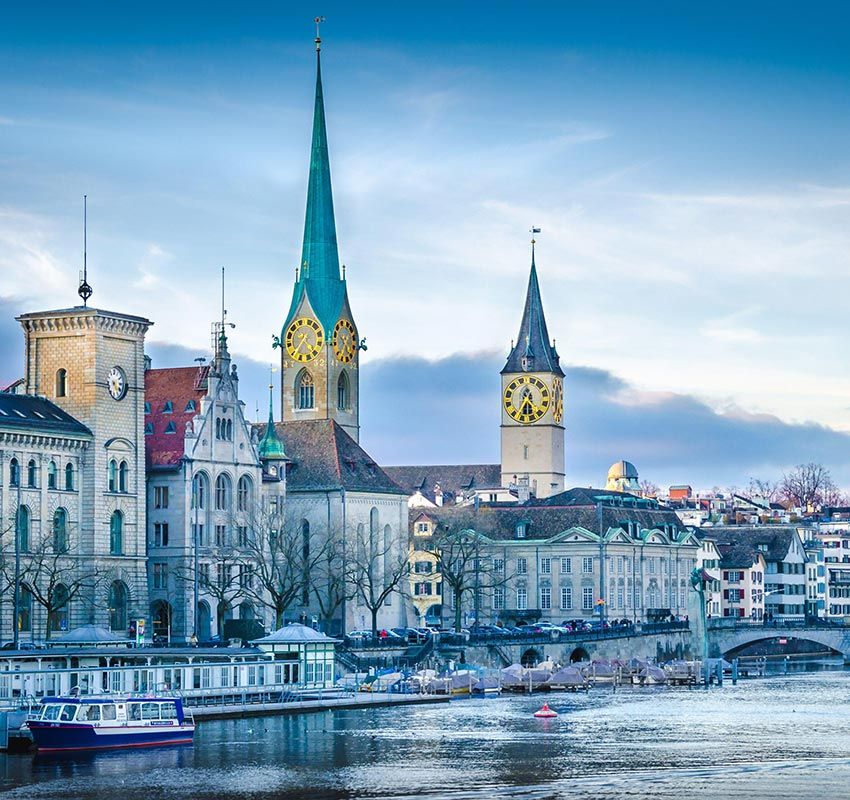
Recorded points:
(728, 643)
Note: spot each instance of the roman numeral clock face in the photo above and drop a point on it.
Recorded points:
(527, 399)
(344, 341)
(304, 339)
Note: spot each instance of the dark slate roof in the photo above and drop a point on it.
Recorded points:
(574, 508)
(177, 385)
(25, 412)
(773, 541)
(533, 341)
(454, 479)
(324, 457)
(737, 556)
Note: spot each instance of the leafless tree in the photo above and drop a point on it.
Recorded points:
(770, 490)
(807, 485)
(464, 565)
(328, 580)
(375, 570)
(53, 571)
(649, 488)
(283, 556)
(220, 568)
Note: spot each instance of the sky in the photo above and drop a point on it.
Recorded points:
(687, 164)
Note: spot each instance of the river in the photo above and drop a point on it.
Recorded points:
(780, 737)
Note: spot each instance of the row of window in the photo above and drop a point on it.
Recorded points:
(589, 602)
(168, 407)
(622, 563)
(117, 599)
(32, 475)
(305, 391)
(223, 492)
(60, 529)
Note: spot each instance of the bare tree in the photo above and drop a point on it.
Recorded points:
(807, 485)
(328, 580)
(53, 571)
(465, 566)
(219, 574)
(768, 489)
(375, 570)
(283, 557)
(649, 488)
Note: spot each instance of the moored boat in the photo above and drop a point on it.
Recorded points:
(98, 723)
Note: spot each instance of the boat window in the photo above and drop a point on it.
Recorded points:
(90, 713)
(134, 711)
(108, 712)
(150, 710)
(51, 711)
(68, 712)
(168, 711)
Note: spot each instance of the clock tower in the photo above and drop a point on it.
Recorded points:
(320, 348)
(533, 403)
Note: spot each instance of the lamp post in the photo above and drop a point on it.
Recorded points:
(18, 523)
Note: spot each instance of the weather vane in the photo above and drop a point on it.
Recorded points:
(318, 21)
(85, 291)
(532, 230)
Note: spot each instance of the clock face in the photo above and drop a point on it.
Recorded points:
(558, 400)
(304, 339)
(526, 399)
(116, 383)
(344, 341)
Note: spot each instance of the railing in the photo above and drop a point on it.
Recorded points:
(732, 623)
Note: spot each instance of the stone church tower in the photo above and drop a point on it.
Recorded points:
(319, 341)
(533, 404)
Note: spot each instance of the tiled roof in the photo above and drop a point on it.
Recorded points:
(177, 386)
(25, 412)
(774, 541)
(574, 508)
(453, 479)
(737, 556)
(324, 457)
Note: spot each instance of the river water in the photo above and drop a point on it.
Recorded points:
(780, 737)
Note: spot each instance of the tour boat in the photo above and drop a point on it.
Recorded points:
(97, 723)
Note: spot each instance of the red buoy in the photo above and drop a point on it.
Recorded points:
(546, 712)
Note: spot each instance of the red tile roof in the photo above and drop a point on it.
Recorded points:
(179, 386)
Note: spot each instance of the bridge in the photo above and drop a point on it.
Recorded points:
(728, 637)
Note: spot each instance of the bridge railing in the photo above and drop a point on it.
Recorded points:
(733, 623)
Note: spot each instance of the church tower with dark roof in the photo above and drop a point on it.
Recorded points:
(320, 348)
(533, 404)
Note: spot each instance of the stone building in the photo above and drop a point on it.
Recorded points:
(209, 499)
(74, 470)
(583, 553)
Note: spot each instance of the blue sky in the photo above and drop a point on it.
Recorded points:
(688, 164)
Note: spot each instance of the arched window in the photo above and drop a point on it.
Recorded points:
(305, 390)
(23, 528)
(217, 428)
(199, 491)
(243, 494)
(246, 610)
(59, 608)
(60, 531)
(342, 400)
(388, 555)
(14, 472)
(24, 608)
(116, 533)
(31, 473)
(69, 477)
(61, 383)
(122, 477)
(51, 475)
(229, 430)
(373, 534)
(118, 606)
(222, 493)
(112, 476)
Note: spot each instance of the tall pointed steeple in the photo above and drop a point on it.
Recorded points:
(271, 447)
(319, 273)
(533, 351)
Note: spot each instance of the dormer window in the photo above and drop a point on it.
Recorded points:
(167, 407)
(190, 406)
(171, 428)
(522, 529)
(147, 407)
(148, 428)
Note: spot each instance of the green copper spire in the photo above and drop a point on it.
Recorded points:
(271, 447)
(318, 275)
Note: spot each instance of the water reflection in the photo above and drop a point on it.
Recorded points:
(776, 737)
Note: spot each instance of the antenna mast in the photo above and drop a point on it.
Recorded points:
(85, 291)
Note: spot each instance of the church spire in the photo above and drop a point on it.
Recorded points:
(533, 351)
(271, 447)
(319, 274)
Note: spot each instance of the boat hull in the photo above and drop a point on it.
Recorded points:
(52, 738)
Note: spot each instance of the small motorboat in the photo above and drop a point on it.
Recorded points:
(545, 712)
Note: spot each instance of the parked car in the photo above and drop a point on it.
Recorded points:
(550, 627)
(410, 635)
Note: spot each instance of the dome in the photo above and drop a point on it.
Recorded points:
(622, 469)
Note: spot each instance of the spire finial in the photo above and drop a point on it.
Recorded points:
(532, 230)
(318, 21)
(85, 291)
